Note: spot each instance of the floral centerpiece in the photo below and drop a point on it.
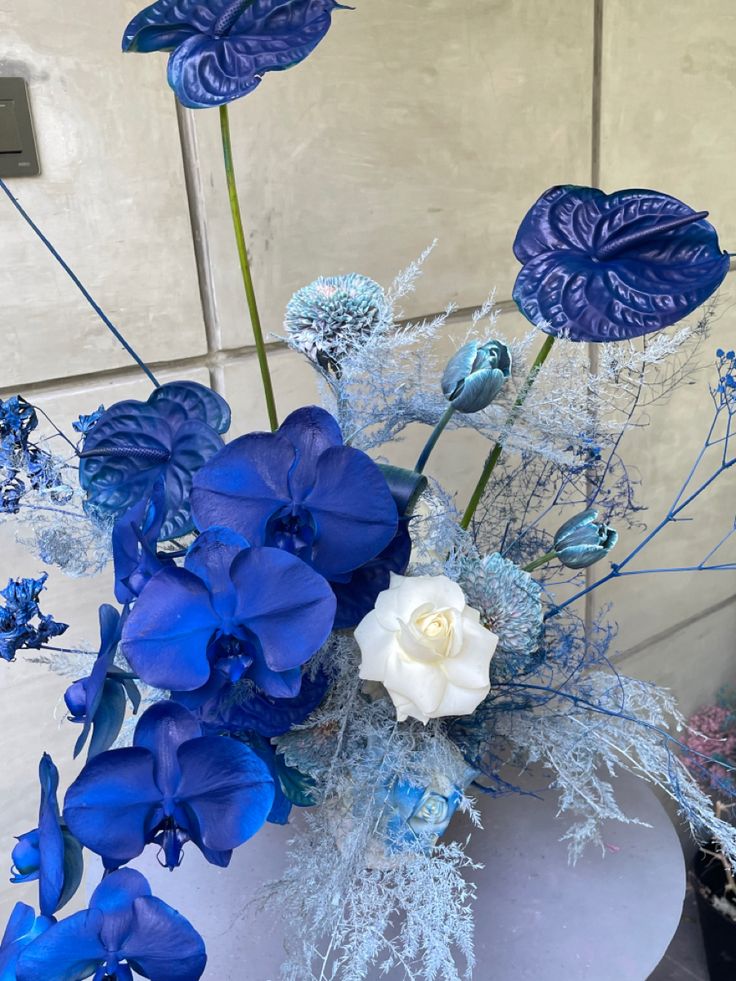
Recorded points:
(299, 625)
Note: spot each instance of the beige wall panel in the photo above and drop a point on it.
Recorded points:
(31, 695)
(663, 453)
(669, 102)
(412, 120)
(111, 197)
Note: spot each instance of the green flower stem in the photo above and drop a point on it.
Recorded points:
(542, 560)
(245, 268)
(495, 454)
(432, 441)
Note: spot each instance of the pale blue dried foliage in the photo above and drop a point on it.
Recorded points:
(349, 905)
(585, 749)
(66, 535)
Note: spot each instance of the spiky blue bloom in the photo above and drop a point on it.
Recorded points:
(333, 315)
(85, 423)
(21, 608)
(172, 786)
(510, 604)
(221, 49)
(125, 929)
(20, 456)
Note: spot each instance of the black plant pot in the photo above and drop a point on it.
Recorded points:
(719, 931)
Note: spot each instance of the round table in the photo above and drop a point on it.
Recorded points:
(610, 917)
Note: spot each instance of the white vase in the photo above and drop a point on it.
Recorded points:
(608, 918)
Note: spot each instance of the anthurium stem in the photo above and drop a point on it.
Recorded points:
(495, 454)
(542, 560)
(245, 268)
(432, 441)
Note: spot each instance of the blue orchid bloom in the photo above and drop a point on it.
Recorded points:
(300, 489)
(49, 854)
(98, 701)
(23, 927)
(135, 444)
(172, 786)
(221, 49)
(125, 929)
(134, 539)
(231, 612)
(608, 267)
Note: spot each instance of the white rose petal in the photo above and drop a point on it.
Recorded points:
(427, 647)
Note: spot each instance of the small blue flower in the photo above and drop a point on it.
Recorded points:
(98, 702)
(49, 854)
(17, 631)
(583, 540)
(136, 444)
(475, 375)
(172, 786)
(23, 927)
(85, 424)
(125, 929)
(300, 489)
(231, 612)
(221, 49)
(608, 267)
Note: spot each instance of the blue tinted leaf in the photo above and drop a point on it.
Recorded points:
(606, 267)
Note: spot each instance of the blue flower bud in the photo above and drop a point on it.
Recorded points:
(76, 699)
(476, 374)
(583, 540)
(26, 857)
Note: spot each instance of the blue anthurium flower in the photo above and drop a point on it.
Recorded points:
(221, 49)
(98, 701)
(135, 444)
(231, 612)
(49, 854)
(134, 539)
(172, 786)
(23, 927)
(583, 540)
(300, 489)
(124, 929)
(608, 267)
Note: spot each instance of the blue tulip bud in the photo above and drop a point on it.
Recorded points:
(583, 540)
(476, 374)
(26, 857)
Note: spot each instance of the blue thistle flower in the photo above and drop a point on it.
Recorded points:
(329, 318)
(510, 604)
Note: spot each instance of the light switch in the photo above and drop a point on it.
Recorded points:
(18, 154)
(10, 141)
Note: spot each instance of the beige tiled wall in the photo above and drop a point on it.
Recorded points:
(413, 120)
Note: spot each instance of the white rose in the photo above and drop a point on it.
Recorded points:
(427, 647)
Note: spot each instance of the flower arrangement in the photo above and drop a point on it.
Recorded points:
(299, 625)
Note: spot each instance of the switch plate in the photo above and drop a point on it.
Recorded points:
(18, 153)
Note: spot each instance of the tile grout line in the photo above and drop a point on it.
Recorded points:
(595, 178)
